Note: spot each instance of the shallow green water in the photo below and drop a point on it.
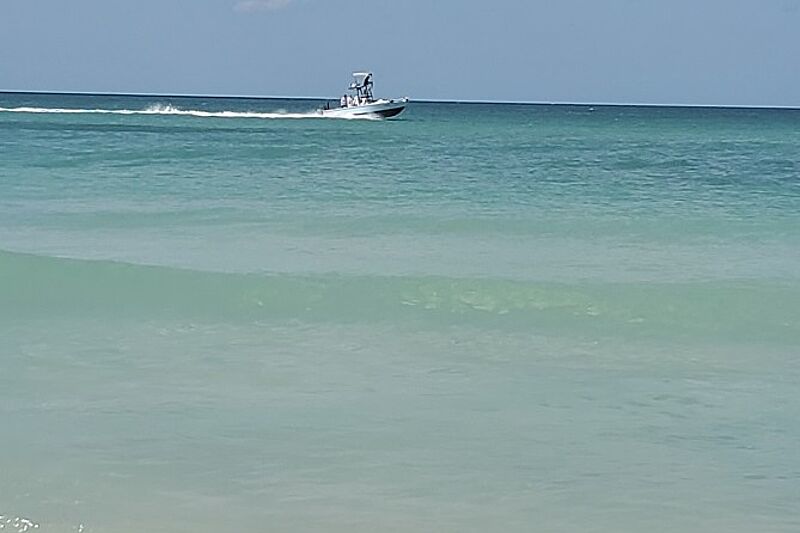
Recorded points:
(221, 314)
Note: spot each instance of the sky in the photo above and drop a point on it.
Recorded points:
(695, 52)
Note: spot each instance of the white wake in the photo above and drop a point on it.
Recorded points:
(160, 109)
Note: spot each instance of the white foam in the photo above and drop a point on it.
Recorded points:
(159, 109)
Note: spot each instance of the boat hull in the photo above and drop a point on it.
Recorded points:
(377, 109)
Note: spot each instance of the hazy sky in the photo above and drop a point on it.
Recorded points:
(724, 52)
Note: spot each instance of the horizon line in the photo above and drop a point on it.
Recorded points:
(421, 100)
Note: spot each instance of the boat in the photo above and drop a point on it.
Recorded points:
(359, 102)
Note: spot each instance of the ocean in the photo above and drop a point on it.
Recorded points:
(224, 314)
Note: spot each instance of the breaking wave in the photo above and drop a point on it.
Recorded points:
(166, 109)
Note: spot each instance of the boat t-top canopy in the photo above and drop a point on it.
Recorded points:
(362, 84)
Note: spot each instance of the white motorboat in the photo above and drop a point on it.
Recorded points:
(359, 101)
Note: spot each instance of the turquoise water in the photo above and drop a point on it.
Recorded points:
(232, 315)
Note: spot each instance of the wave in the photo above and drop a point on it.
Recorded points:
(160, 109)
(46, 287)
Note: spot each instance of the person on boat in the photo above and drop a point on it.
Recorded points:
(343, 101)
